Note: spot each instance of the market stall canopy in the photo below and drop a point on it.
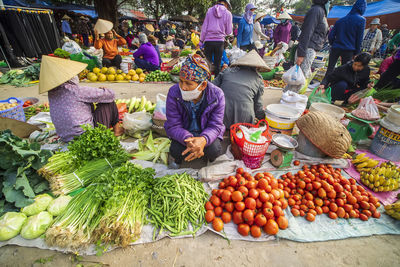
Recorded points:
(266, 20)
(387, 10)
(184, 18)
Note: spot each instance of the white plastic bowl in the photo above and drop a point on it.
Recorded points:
(332, 110)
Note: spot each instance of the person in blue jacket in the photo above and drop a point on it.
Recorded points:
(346, 36)
(245, 31)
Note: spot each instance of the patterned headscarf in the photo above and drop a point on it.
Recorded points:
(195, 68)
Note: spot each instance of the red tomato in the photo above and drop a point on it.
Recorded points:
(237, 196)
(240, 206)
(229, 207)
(260, 220)
(250, 203)
(237, 217)
(243, 229)
(253, 193)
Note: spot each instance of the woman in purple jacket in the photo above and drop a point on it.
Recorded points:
(195, 114)
(146, 56)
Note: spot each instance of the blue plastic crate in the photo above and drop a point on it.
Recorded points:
(16, 113)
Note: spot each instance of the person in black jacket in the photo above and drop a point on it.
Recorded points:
(313, 35)
(348, 78)
(294, 33)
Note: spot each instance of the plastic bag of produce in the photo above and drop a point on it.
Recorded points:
(319, 96)
(356, 97)
(161, 106)
(41, 203)
(71, 47)
(294, 100)
(294, 76)
(11, 224)
(367, 110)
(138, 121)
(58, 205)
(36, 225)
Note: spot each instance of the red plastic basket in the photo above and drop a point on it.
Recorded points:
(165, 68)
(251, 153)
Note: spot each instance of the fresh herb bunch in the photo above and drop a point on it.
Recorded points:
(127, 190)
(19, 182)
(97, 142)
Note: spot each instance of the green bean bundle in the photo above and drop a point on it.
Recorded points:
(177, 200)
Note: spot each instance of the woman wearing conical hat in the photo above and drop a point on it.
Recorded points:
(243, 87)
(71, 105)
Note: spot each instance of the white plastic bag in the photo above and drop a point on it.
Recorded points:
(294, 76)
(234, 54)
(138, 121)
(160, 112)
(126, 64)
(72, 47)
(280, 52)
(294, 100)
(367, 110)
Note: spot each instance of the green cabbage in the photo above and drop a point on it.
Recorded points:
(10, 225)
(36, 225)
(41, 203)
(58, 205)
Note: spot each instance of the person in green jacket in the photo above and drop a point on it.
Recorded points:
(394, 42)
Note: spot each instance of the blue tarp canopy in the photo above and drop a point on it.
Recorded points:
(373, 9)
(269, 19)
(266, 20)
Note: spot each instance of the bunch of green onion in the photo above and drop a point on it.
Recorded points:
(59, 163)
(68, 183)
(176, 201)
(74, 228)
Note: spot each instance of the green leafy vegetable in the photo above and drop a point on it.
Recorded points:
(41, 203)
(19, 182)
(11, 224)
(58, 205)
(36, 225)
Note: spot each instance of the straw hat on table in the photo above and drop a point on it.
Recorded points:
(251, 59)
(103, 26)
(284, 15)
(55, 71)
(326, 133)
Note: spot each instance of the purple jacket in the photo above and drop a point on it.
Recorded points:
(282, 33)
(212, 119)
(217, 24)
(148, 52)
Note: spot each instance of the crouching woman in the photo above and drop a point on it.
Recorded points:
(195, 114)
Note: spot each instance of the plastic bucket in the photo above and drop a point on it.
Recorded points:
(281, 118)
(386, 143)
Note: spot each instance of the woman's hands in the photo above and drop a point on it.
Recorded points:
(195, 148)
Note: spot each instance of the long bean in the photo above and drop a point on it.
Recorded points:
(177, 200)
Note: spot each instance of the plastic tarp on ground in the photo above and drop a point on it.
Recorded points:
(373, 9)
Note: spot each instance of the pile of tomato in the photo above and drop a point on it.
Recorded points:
(322, 189)
(253, 203)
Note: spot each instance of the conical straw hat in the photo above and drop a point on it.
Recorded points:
(65, 17)
(55, 71)
(149, 27)
(284, 15)
(103, 26)
(259, 15)
(251, 59)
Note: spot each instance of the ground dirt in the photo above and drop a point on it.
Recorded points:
(209, 249)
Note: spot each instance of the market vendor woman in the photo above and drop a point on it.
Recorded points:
(71, 105)
(195, 114)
